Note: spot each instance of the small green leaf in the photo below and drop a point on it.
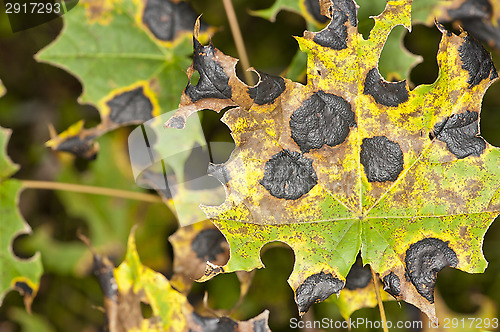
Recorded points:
(22, 275)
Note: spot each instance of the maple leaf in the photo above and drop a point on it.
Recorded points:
(350, 162)
(22, 275)
(130, 58)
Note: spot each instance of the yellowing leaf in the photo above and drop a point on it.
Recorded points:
(171, 310)
(350, 162)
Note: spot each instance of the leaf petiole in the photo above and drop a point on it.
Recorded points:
(30, 184)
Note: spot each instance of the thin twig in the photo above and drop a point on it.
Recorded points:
(28, 184)
(238, 39)
(379, 300)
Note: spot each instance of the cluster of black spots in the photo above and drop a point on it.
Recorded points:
(459, 132)
(424, 259)
(392, 284)
(385, 93)
(220, 172)
(289, 175)
(213, 82)
(166, 18)
(316, 288)
(335, 34)
(323, 118)
(130, 106)
(270, 88)
(358, 277)
(313, 8)
(222, 324)
(477, 61)
(80, 147)
(382, 159)
(208, 244)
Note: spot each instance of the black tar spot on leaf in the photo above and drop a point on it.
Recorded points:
(220, 172)
(289, 175)
(472, 9)
(104, 273)
(392, 284)
(324, 118)
(82, 148)
(177, 122)
(335, 34)
(23, 288)
(358, 277)
(131, 106)
(313, 8)
(207, 244)
(223, 324)
(385, 93)
(260, 326)
(316, 288)
(270, 88)
(213, 82)
(424, 259)
(166, 18)
(477, 61)
(459, 132)
(382, 159)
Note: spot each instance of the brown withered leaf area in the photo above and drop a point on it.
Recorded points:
(127, 286)
(350, 162)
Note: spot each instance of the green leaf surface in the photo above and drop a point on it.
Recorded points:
(350, 162)
(23, 275)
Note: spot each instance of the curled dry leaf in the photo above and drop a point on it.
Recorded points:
(194, 245)
(350, 162)
(171, 310)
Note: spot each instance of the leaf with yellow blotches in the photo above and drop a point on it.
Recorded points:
(394, 67)
(350, 162)
(171, 311)
(130, 58)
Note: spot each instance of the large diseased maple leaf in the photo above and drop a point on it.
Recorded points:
(352, 162)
